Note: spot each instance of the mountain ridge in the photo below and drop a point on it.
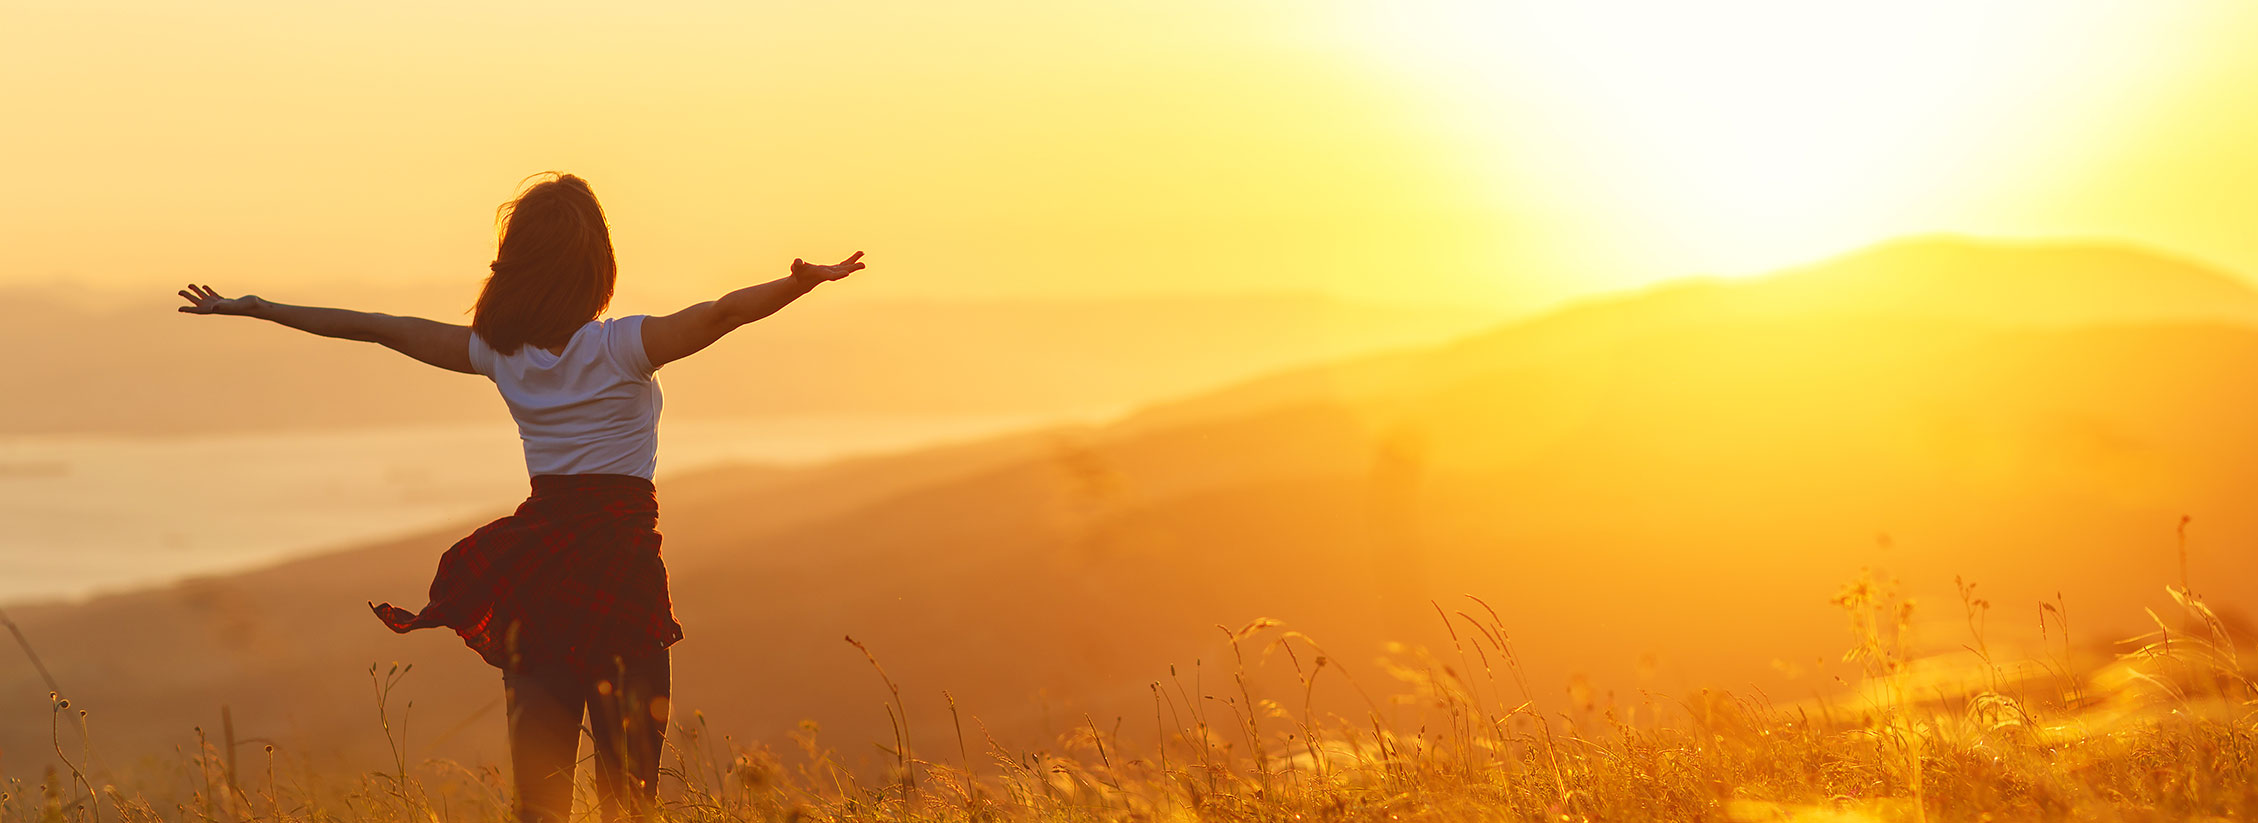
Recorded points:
(1609, 319)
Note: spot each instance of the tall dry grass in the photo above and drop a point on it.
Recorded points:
(2163, 730)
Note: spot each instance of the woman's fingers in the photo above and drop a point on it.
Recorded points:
(200, 298)
(857, 256)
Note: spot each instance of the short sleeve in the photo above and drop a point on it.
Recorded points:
(481, 355)
(624, 342)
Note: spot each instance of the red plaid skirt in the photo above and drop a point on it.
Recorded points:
(573, 579)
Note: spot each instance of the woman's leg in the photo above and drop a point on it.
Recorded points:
(627, 720)
(544, 742)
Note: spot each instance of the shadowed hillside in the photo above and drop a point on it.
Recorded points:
(1658, 492)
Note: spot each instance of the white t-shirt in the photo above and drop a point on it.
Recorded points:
(592, 410)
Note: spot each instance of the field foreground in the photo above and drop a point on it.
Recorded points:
(2161, 729)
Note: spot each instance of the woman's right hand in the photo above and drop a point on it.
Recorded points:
(812, 274)
(202, 300)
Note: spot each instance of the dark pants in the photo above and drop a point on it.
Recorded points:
(626, 719)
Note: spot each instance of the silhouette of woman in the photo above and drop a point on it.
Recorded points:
(567, 596)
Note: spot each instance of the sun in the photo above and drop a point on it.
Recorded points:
(1746, 134)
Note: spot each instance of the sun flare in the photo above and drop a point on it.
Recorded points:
(1748, 134)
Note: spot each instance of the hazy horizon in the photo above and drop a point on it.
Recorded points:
(109, 510)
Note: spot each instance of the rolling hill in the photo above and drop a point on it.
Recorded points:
(1658, 492)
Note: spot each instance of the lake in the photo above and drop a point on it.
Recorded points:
(83, 514)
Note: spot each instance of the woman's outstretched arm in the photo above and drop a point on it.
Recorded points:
(689, 331)
(440, 344)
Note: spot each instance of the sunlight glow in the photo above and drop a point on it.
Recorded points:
(1746, 134)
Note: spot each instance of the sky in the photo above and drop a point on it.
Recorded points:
(1476, 152)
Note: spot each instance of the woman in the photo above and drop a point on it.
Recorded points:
(567, 596)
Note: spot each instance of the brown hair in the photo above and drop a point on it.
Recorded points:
(554, 269)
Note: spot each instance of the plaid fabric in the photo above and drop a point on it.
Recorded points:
(573, 579)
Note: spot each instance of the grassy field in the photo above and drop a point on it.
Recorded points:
(2161, 730)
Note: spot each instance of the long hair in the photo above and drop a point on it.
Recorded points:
(554, 269)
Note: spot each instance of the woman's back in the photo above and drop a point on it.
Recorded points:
(592, 408)
(568, 595)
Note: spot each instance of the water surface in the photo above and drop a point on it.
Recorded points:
(83, 514)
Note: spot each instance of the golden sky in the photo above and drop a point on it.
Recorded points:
(1478, 151)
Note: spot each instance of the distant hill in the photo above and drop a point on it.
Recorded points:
(1992, 283)
(1942, 281)
(99, 363)
(1657, 492)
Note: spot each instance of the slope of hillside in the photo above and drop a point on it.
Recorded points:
(1655, 498)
